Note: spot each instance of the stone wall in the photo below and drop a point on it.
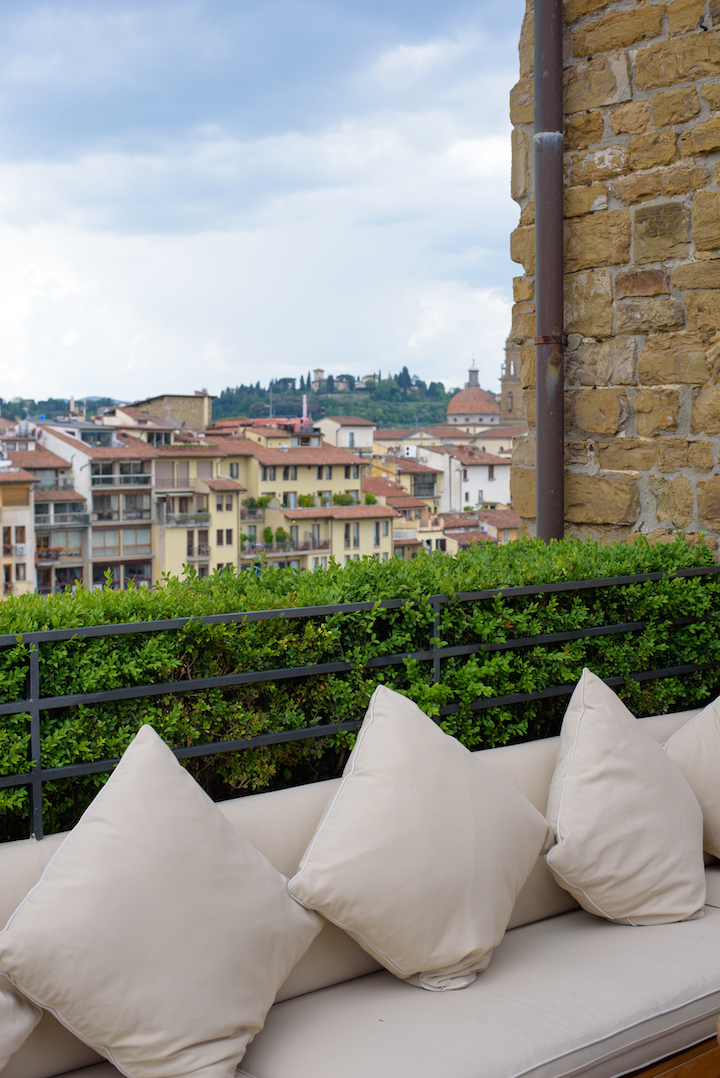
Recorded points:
(642, 268)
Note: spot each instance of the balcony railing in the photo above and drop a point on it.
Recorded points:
(250, 550)
(120, 480)
(186, 520)
(404, 534)
(44, 520)
(251, 514)
(46, 554)
(199, 551)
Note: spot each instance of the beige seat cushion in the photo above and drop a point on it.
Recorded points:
(628, 827)
(158, 934)
(695, 748)
(570, 995)
(422, 851)
(18, 1019)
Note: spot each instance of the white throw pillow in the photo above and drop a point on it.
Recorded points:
(157, 933)
(422, 851)
(628, 827)
(695, 748)
(18, 1019)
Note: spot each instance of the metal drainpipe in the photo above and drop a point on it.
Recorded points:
(550, 339)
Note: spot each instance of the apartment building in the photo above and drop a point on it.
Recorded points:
(345, 532)
(349, 432)
(17, 529)
(421, 481)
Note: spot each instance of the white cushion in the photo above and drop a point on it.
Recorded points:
(157, 933)
(695, 748)
(18, 1019)
(628, 827)
(422, 851)
(571, 995)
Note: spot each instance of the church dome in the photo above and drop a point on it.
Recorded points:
(473, 401)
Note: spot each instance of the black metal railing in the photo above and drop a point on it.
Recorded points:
(34, 703)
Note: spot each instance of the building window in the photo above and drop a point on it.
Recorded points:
(203, 571)
(386, 556)
(252, 533)
(233, 471)
(467, 495)
(136, 541)
(220, 537)
(328, 471)
(228, 503)
(356, 535)
(228, 537)
(347, 559)
(101, 474)
(289, 499)
(319, 471)
(465, 475)
(347, 539)
(510, 402)
(294, 533)
(203, 542)
(20, 571)
(290, 473)
(20, 533)
(137, 506)
(70, 542)
(133, 472)
(351, 439)
(376, 533)
(491, 471)
(267, 473)
(385, 528)
(190, 543)
(315, 534)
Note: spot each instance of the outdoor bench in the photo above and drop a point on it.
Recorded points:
(566, 993)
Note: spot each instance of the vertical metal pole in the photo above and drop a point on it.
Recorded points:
(36, 805)
(436, 634)
(549, 340)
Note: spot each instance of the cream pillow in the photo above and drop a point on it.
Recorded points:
(695, 748)
(421, 852)
(18, 1019)
(628, 827)
(157, 933)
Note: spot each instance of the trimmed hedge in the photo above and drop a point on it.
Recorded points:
(87, 665)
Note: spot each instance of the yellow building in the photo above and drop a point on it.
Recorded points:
(18, 532)
(347, 532)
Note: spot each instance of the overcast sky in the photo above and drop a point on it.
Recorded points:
(208, 193)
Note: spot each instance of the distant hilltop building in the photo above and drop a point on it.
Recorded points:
(512, 405)
(473, 407)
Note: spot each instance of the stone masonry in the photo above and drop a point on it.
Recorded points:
(642, 268)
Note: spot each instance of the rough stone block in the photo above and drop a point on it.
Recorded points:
(527, 367)
(601, 239)
(706, 411)
(522, 248)
(523, 288)
(672, 454)
(592, 83)
(645, 315)
(703, 311)
(628, 455)
(661, 232)
(529, 399)
(575, 9)
(597, 411)
(527, 214)
(523, 491)
(619, 29)
(598, 499)
(526, 47)
(675, 107)
(709, 503)
(656, 411)
(647, 282)
(702, 138)
(711, 92)
(705, 274)
(523, 321)
(580, 200)
(576, 451)
(684, 15)
(522, 102)
(588, 303)
(655, 148)
(713, 358)
(673, 359)
(701, 456)
(675, 500)
(632, 119)
(582, 129)
(676, 180)
(706, 220)
(520, 167)
(599, 164)
(686, 59)
(609, 363)
(524, 451)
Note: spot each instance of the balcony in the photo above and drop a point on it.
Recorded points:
(252, 550)
(47, 554)
(251, 514)
(120, 480)
(136, 514)
(404, 535)
(186, 520)
(70, 518)
(199, 551)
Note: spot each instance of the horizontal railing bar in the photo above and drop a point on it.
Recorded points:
(567, 690)
(95, 767)
(123, 628)
(133, 692)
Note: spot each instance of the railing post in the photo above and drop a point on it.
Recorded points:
(33, 700)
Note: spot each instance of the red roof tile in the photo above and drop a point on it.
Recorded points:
(42, 495)
(139, 450)
(223, 484)
(37, 458)
(16, 475)
(341, 512)
(474, 401)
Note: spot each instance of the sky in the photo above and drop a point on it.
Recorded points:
(203, 194)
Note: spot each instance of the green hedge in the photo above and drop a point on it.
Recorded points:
(87, 665)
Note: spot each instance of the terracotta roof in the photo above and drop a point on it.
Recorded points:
(377, 484)
(312, 455)
(151, 421)
(499, 518)
(501, 432)
(410, 466)
(223, 484)
(16, 475)
(405, 501)
(270, 432)
(391, 433)
(471, 455)
(459, 520)
(37, 458)
(465, 539)
(42, 495)
(350, 420)
(103, 452)
(341, 512)
(473, 401)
